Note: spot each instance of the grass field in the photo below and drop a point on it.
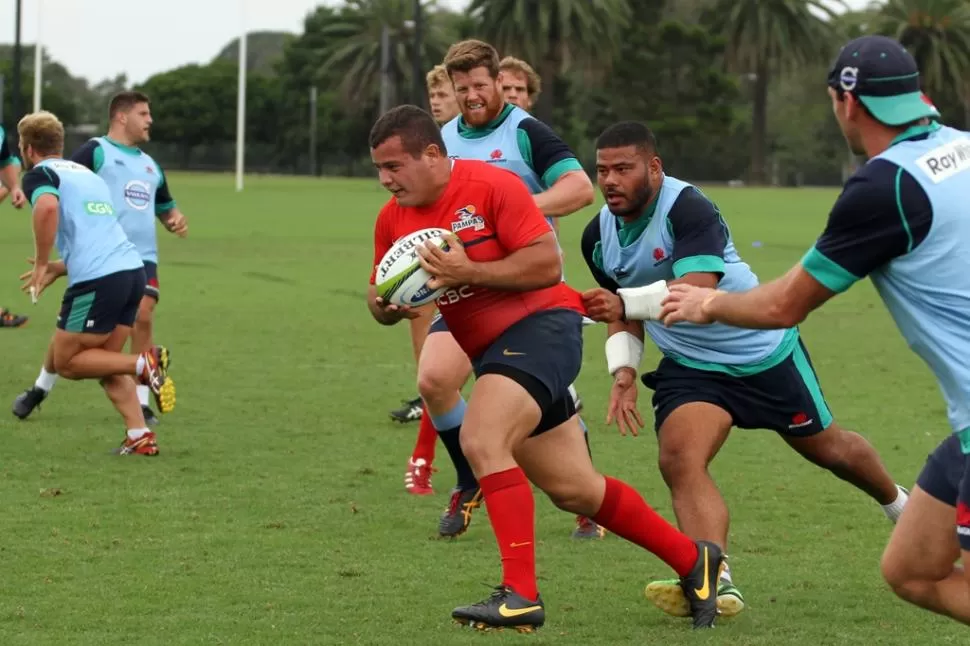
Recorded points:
(276, 512)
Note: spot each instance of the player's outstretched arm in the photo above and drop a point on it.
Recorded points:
(570, 193)
(568, 188)
(45, 227)
(782, 303)
(10, 183)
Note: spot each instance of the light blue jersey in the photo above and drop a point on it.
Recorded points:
(89, 239)
(682, 232)
(904, 220)
(138, 188)
(516, 141)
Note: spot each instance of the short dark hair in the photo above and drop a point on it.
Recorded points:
(125, 101)
(627, 133)
(416, 128)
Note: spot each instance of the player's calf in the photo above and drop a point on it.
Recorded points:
(850, 457)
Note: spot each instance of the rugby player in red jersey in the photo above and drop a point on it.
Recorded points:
(521, 328)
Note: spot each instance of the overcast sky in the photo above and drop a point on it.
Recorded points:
(98, 39)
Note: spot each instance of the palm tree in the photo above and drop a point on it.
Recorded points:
(554, 35)
(937, 34)
(768, 37)
(354, 41)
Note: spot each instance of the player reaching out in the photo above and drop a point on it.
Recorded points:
(73, 208)
(521, 327)
(10, 185)
(902, 220)
(656, 230)
(140, 193)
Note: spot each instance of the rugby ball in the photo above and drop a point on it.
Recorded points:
(400, 278)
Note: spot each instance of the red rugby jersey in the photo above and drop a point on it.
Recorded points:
(493, 214)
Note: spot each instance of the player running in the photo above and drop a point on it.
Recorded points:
(654, 231)
(106, 278)
(902, 220)
(521, 326)
(506, 136)
(140, 193)
(520, 83)
(10, 185)
(417, 480)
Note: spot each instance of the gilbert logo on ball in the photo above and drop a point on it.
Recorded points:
(400, 279)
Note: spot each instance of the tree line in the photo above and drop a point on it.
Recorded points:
(734, 89)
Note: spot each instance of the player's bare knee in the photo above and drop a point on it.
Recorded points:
(572, 496)
(482, 449)
(679, 464)
(63, 368)
(436, 385)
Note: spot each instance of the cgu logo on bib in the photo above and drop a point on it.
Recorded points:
(98, 208)
(138, 194)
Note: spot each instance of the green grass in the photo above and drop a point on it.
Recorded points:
(276, 514)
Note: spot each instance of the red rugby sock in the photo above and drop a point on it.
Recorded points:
(511, 510)
(427, 436)
(625, 513)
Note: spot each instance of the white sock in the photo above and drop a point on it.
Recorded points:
(135, 433)
(140, 365)
(143, 393)
(726, 574)
(46, 380)
(895, 508)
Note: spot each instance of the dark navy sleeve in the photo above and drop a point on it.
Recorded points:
(700, 234)
(89, 155)
(38, 181)
(593, 255)
(882, 213)
(164, 202)
(548, 155)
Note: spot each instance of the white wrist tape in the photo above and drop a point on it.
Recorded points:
(623, 350)
(643, 303)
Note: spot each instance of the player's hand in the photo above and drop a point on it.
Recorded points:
(176, 223)
(37, 279)
(450, 268)
(603, 305)
(394, 313)
(51, 272)
(17, 198)
(687, 303)
(623, 403)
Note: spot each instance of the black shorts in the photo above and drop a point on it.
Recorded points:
(151, 280)
(944, 477)
(785, 398)
(99, 306)
(542, 353)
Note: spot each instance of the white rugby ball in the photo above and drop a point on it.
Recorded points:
(400, 278)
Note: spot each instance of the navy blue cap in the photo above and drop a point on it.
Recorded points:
(884, 77)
